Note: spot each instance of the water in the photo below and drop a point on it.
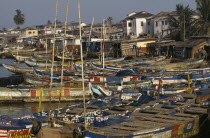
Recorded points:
(22, 109)
(4, 72)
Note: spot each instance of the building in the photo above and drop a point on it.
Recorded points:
(137, 24)
(191, 49)
(161, 23)
(135, 47)
(29, 32)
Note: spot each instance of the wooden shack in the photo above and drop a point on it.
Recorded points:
(135, 47)
(158, 48)
(190, 49)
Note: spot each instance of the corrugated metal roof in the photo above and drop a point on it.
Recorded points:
(141, 14)
(191, 43)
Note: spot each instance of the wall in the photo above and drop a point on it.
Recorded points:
(141, 29)
(143, 44)
(29, 33)
(127, 50)
(161, 27)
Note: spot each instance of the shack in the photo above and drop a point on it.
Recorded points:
(135, 47)
(164, 48)
(206, 47)
(191, 49)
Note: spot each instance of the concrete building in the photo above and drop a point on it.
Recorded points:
(161, 23)
(137, 24)
(29, 33)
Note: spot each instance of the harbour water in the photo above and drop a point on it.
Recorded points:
(21, 109)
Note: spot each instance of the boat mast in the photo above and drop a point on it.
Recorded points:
(64, 46)
(89, 37)
(53, 50)
(81, 53)
(103, 49)
(46, 53)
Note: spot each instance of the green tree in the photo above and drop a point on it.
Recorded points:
(49, 22)
(182, 24)
(19, 18)
(58, 22)
(4, 29)
(109, 20)
(203, 7)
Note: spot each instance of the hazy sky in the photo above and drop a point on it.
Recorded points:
(38, 12)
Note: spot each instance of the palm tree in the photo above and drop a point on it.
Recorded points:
(182, 23)
(19, 18)
(203, 7)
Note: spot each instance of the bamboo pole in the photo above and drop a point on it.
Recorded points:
(46, 53)
(82, 64)
(40, 100)
(53, 58)
(64, 46)
(88, 47)
(103, 49)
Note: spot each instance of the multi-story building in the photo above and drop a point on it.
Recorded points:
(137, 24)
(161, 23)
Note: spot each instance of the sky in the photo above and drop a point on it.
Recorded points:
(38, 12)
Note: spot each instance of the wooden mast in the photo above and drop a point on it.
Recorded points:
(103, 50)
(88, 47)
(64, 46)
(53, 52)
(82, 64)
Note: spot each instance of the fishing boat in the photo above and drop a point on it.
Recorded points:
(42, 64)
(59, 58)
(108, 67)
(15, 69)
(107, 60)
(167, 118)
(22, 50)
(168, 79)
(189, 64)
(143, 61)
(33, 94)
(21, 58)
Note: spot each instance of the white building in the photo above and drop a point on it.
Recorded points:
(162, 22)
(137, 24)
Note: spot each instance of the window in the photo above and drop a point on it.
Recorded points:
(166, 23)
(130, 24)
(142, 24)
(162, 22)
(149, 32)
(156, 23)
(29, 32)
(148, 23)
